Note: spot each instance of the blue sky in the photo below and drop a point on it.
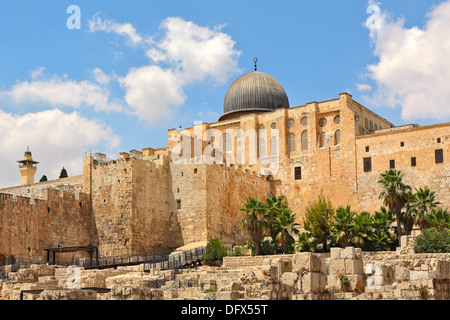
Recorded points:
(138, 68)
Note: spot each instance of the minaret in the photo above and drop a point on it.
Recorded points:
(27, 168)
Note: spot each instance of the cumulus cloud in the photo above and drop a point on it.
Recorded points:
(57, 139)
(100, 76)
(61, 92)
(186, 54)
(413, 71)
(123, 29)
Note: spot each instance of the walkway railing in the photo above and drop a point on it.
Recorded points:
(161, 260)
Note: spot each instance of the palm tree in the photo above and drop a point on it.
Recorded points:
(274, 206)
(285, 223)
(423, 204)
(342, 226)
(361, 229)
(394, 194)
(254, 221)
(439, 219)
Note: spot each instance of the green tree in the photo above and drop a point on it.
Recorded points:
(432, 241)
(274, 206)
(361, 229)
(318, 221)
(254, 221)
(394, 195)
(423, 202)
(287, 227)
(215, 251)
(43, 179)
(63, 173)
(342, 226)
(439, 219)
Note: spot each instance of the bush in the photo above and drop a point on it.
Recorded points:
(433, 241)
(215, 251)
(267, 248)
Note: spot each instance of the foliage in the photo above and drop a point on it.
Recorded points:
(267, 247)
(215, 251)
(422, 203)
(345, 284)
(286, 226)
(43, 179)
(342, 226)
(304, 243)
(439, 219)
(394, 194)
(432, 241)
(254, 221)
(238, 251)
(318, 221)
(63, 173)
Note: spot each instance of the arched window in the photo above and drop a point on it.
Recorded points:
(323, 122)
(262, 148)
(304, 140)
(322, 140)
(371, 125)
(226, 143)
(291, 143)
(337, 119)
(337, 137)
(366, 123)
(274, 146)
(273, 125)
(376, 126)
(291, 123)
(304, 121)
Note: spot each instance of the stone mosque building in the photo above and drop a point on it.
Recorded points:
(190, 191)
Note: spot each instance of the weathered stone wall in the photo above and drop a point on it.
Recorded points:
(37, 190)
(29, 225)
(401, 146)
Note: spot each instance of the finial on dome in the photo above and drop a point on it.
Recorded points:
(255, 60)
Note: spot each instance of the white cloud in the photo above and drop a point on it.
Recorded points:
(122, 29)
(57, 92)
(414, 66)
(190, 54)
(37, 73)
(363, 87)
(56, 139)
(153, 92)
(100, 76)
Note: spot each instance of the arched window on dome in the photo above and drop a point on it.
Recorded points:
(274, 146)
(291, 143)
(337, 137)
(305, 140)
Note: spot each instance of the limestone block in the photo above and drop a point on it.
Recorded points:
(289, 279)
(283, 264)
(354, 266)
(356, 282)
(307, 262)
(442, 269)
(229, 295)
(348, 253)
(313, 282)
(421, 275)
(333, 283)
(335, 253)
(337, 267)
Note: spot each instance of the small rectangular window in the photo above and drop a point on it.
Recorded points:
(178, 204)
(298, 173)
(438, 140)
(195, 171)
(367, 149)
(402, 144)
(413, 162)
(367, 164)
(392, 164)
(439, 155)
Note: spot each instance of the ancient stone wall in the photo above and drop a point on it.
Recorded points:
(29, 225)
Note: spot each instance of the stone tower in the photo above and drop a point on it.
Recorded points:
(27, 168)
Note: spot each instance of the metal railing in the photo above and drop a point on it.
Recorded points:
(161, 260)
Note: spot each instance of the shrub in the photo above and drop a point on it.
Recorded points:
(215, 251)
(433, 241)
(267, 248)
